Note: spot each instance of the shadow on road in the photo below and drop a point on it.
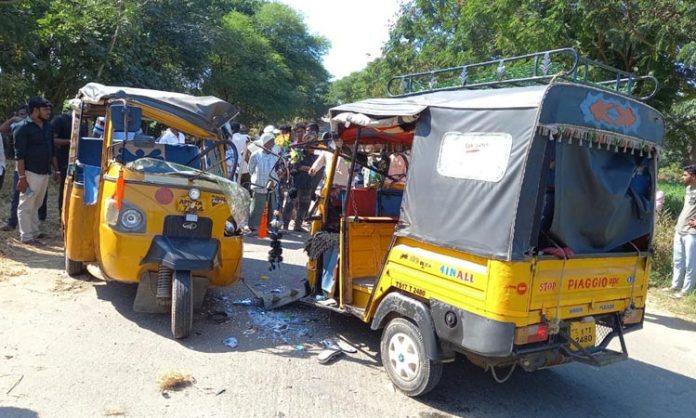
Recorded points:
(628, 389)
(12, 412)
(294, 330)
(670, 322)
(291, 240)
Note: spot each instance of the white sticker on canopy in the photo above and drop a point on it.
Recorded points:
(475, 155)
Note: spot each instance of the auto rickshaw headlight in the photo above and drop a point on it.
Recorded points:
(131, 219)
(194, 193)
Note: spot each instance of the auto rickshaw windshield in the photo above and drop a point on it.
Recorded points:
(236, 196)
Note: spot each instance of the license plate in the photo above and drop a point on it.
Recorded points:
(184, 205)
(584, 333)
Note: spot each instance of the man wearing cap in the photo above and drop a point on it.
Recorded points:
(35, 155)
(261, 165)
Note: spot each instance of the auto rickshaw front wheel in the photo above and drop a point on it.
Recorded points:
(405, 360)
(182, 303)
(72, 267)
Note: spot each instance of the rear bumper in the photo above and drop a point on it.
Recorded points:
(475, 333)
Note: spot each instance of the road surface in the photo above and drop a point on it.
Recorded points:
(72, 348)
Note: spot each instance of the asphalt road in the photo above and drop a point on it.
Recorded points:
(71, 348)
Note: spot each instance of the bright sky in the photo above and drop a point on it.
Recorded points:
(356, 29)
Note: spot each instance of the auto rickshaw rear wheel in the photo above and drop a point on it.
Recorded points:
(72, 267)
(405, 359)
(182, 303)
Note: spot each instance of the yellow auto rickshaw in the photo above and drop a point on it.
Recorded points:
(522, 237)
(161, 215)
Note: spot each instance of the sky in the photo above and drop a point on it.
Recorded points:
(356, 29)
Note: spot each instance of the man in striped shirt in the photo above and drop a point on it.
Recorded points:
(261, 165)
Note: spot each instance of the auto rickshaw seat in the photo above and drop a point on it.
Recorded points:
(181, 154)
(89, 152)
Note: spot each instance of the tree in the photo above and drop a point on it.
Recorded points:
(269, 64)
(645, 36)
(257, 54)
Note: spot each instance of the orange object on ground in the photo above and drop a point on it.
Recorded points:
(263, 225)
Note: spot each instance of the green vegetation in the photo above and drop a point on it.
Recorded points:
(254, 53)
(661, 274)
(643, 36)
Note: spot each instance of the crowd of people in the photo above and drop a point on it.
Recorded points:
(277, 157)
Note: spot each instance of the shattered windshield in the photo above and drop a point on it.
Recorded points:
(237, 197)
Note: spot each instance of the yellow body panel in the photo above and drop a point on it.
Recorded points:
(79, 242)
(518, 292)
(121, 253)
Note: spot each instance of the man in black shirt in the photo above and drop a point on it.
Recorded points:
(35, 154)
(62, 126)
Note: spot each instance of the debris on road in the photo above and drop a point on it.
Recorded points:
(327, 355)
(273, 295)
(344, 346)
(244, 302)
(231, 342)
(173, 380)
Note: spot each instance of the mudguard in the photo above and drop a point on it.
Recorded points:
(412, 309)
(179, 253)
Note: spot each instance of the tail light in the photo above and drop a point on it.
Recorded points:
(532, 334)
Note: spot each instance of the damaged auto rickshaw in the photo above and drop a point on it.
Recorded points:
(163, 216)
(522, 237)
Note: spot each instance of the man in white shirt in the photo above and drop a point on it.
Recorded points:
(172, 137)
(261, 165)
(325, 159)
(239, 139)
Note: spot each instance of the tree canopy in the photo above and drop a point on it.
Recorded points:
(643, 36)
(256, 54)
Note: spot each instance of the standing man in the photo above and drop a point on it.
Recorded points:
(239, 140)
(300, 198)
(35, 155)
(261, 165)
(62, 126)
(8, 126)
(685, 238)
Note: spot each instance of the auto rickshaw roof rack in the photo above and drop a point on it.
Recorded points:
(537, 68)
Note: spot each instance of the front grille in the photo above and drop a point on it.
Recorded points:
(174, 227)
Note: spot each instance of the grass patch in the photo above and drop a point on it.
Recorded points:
(684, 308)
(661, 273)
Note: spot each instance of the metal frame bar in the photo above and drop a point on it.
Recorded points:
(542, 62)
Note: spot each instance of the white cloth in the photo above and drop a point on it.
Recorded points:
(240, 142)
(325, 158)
(2, 156)
(168, 137)
(684, 257)
(28, 209)
(260, 166)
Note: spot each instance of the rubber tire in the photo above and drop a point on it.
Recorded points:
(430, 372)
(73, 268)
(182, 303)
